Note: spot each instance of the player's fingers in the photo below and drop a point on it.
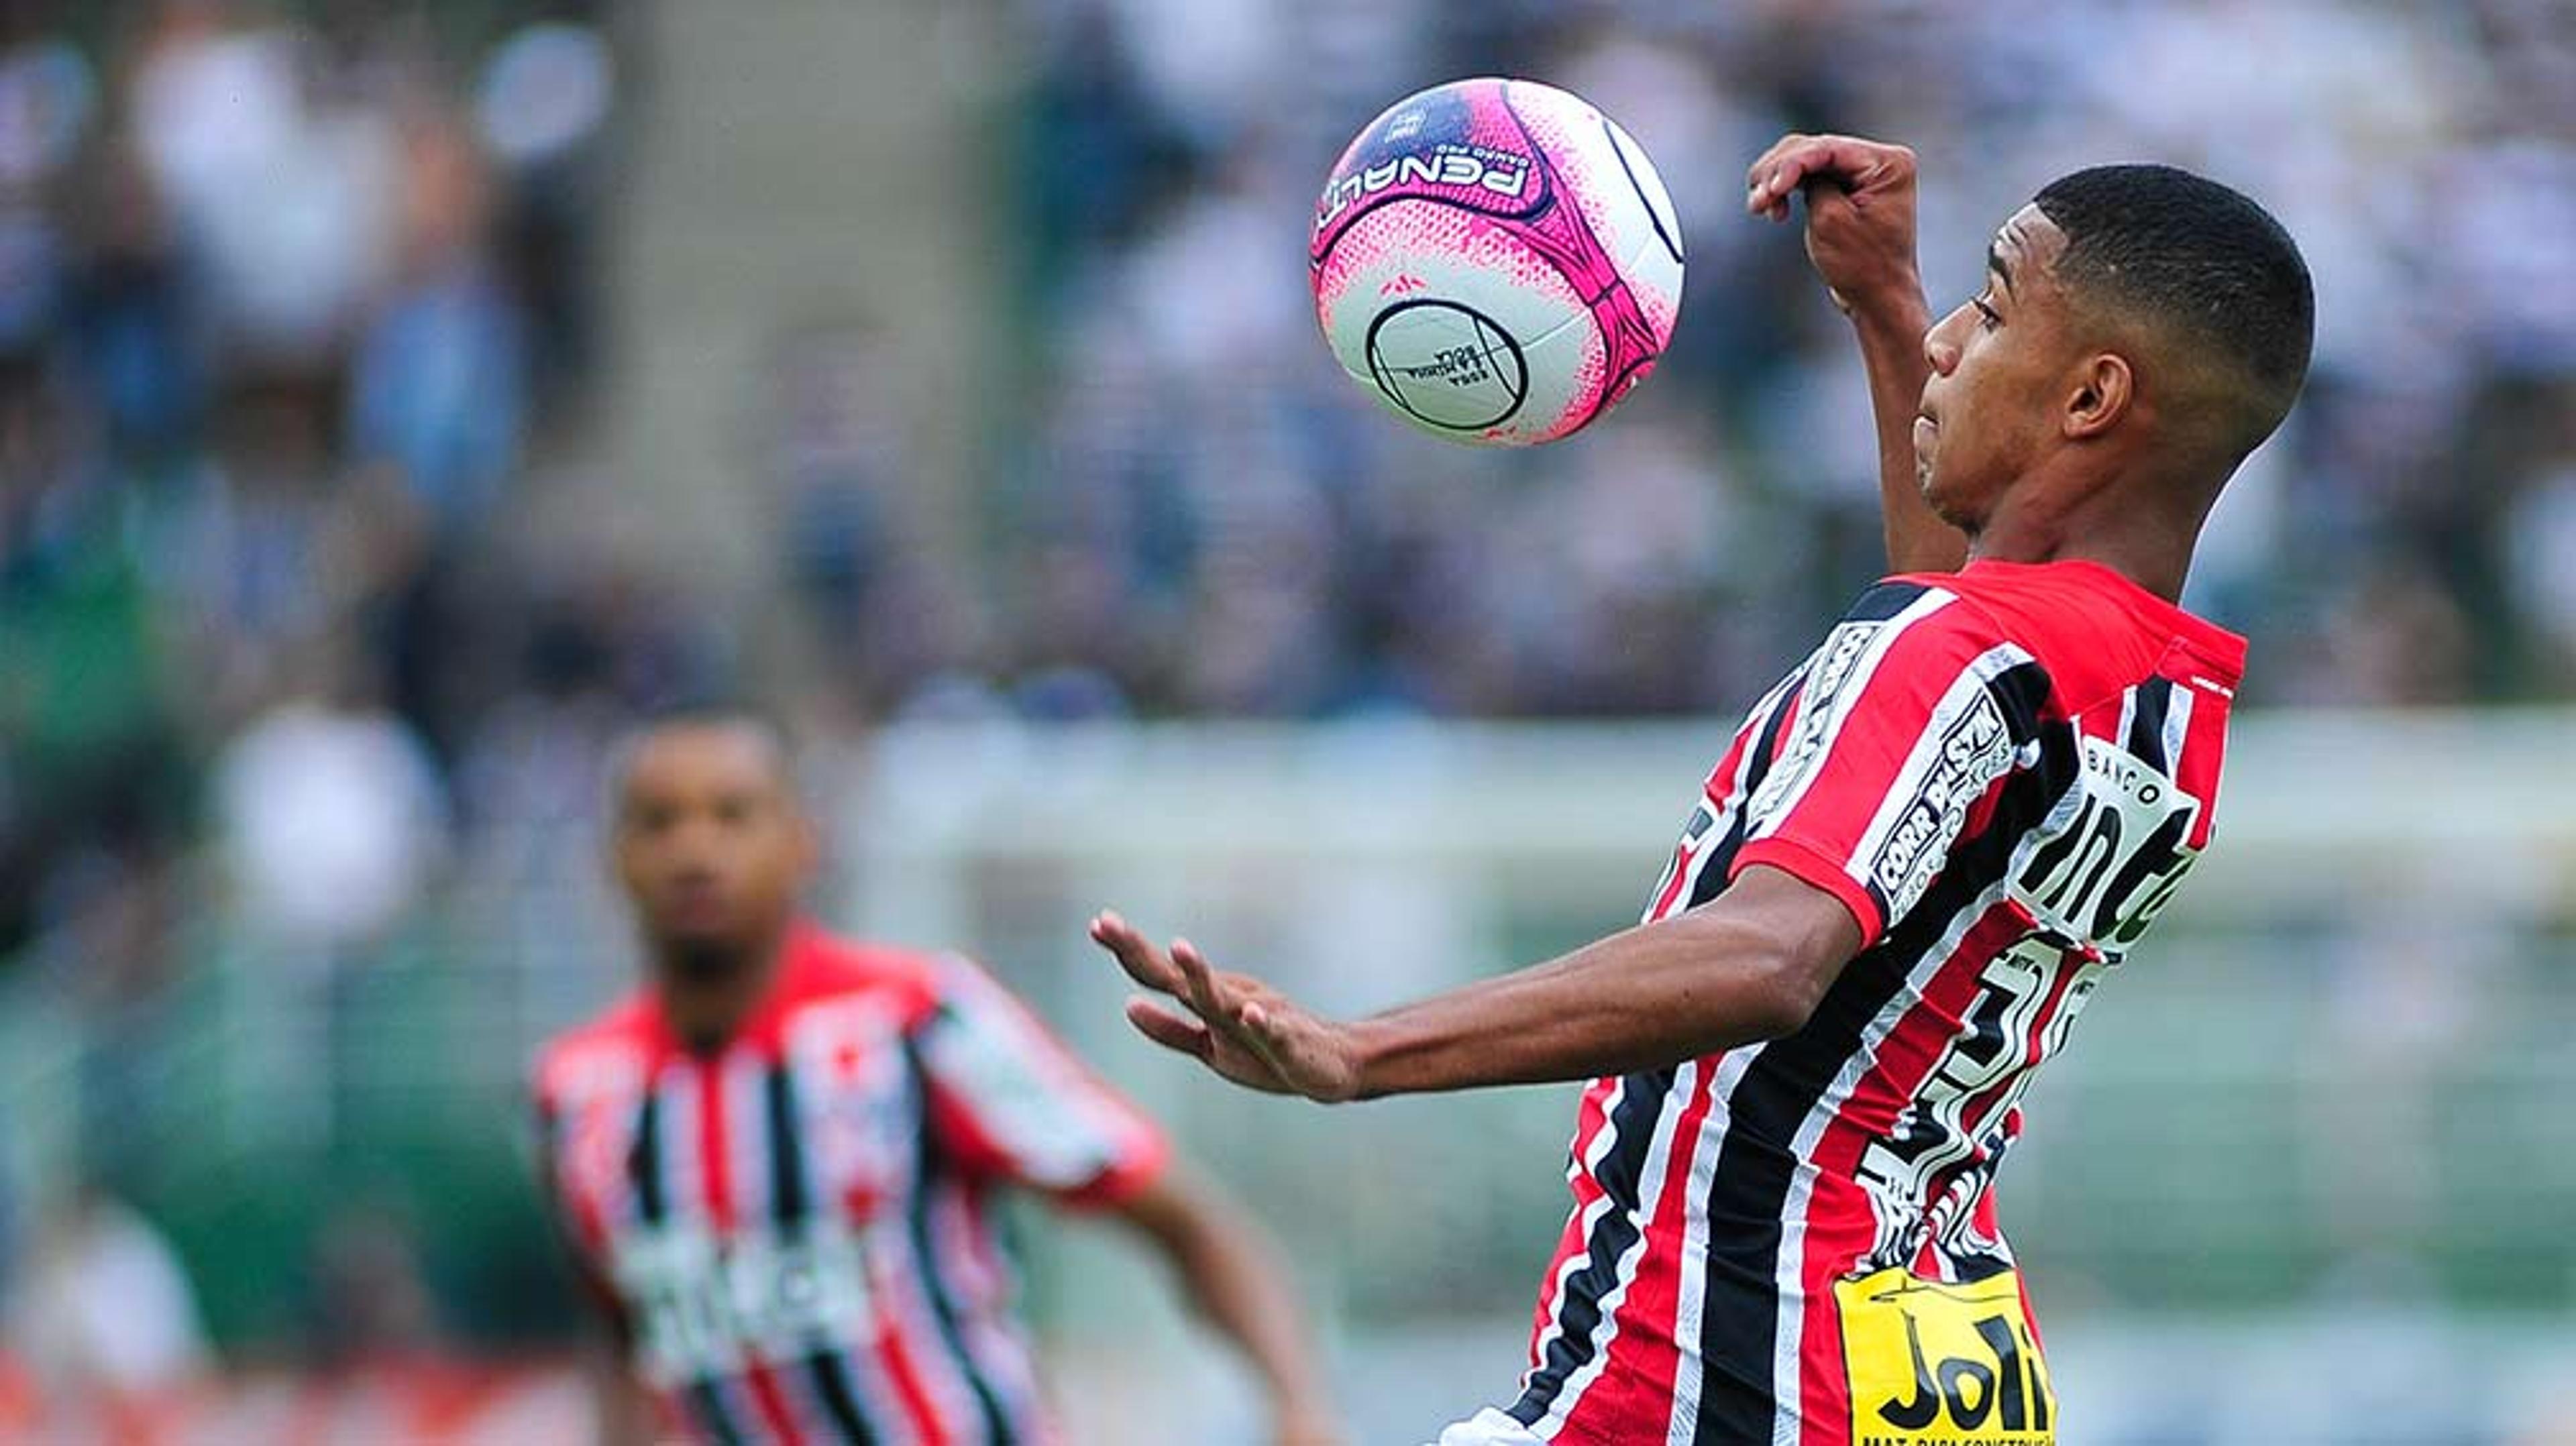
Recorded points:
(1170, 1030)
(1780, 152)
(1135, 953)
(1802, 162)
(1203, 992)
(1757, 177)
(1797, 158)
(1775, 176)
(1860, 167)
(1265, 1033)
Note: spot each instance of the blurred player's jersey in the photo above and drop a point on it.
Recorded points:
(796, 1230)
(2003, 773)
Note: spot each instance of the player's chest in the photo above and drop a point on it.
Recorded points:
(823, 1122)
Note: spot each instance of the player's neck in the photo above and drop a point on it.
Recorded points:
(2149, 546)
(707, 1013)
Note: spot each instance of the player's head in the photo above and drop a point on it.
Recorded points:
(709, 839)
(2134, 320)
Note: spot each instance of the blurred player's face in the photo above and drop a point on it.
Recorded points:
(710, 845)
(1988, 412)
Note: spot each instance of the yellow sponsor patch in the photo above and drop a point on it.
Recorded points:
(1952, 1364)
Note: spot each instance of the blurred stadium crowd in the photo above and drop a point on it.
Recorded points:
(296, 317)
(301, 314)
(292, 316)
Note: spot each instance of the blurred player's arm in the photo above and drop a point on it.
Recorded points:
(1749, 965)
(1009, 1100)
(1860, 197)
(1233, 1278)
(624, 1414)
(623, 1411)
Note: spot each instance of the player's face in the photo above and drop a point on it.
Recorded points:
(1988, 409)
(710, 843)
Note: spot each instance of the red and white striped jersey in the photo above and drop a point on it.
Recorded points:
(2003, 773)
(796, 1228)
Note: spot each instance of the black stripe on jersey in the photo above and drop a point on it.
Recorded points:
(2054, 853)
(1749, 1189)
(790, 1205)
(649, 1164)
(644, 1159)
(931, 1169)
(1578, 1305)
(708, 1409)
(2146, 740)
(1883, 601)
(1713, 879)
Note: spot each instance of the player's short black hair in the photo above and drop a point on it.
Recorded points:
(712, 710)
(702, 711)
(2189, 254)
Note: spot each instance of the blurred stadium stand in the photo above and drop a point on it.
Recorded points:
(393, 397)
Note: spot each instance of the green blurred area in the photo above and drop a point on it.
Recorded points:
(251, 1121)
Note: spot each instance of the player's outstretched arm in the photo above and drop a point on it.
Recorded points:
(1747, 966)
(1234, 1280)
(1860, 237)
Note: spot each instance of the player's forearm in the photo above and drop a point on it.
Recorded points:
(1234, 1281)
(1241, 1289)
(1890, 330)
(1650, 997)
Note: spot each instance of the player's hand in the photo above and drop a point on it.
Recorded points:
(1860, 214)
(1234, 1024)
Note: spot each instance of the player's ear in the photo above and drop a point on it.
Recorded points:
(2099, 395)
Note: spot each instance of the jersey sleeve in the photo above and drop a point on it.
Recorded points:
(1906, 719)
(574, 1234)
(1013, 1102)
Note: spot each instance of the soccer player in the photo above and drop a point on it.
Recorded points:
(1924, 851)
(776, 1161)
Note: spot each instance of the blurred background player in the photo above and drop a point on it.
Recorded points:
(1926, 848)
(776, 1159)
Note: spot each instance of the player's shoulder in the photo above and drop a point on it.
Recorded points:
(1925, 616)
(826, 968)
(1912, 598)
(610, 1049)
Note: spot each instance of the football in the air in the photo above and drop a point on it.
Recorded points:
(1496, 261)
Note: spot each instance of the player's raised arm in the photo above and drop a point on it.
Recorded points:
(1860, 237)
(1748, 966)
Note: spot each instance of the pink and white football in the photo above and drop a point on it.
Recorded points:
(1496, 261)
